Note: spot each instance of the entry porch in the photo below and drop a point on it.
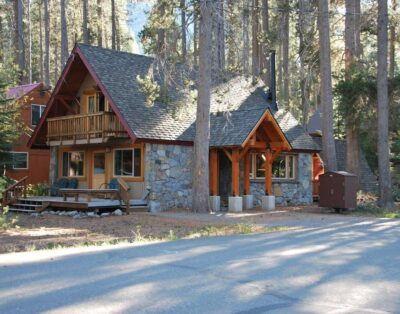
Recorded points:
(267, 139)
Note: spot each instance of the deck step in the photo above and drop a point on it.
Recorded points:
(26, 205)
(15, 209)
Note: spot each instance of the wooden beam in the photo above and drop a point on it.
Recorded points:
(214, 172)
(227, 153)
(235, 172)
(246, 180)
(244, 152)
(268, 172)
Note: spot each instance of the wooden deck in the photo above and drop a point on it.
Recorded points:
(40, 203)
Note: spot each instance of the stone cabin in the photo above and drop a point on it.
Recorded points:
(98, 127)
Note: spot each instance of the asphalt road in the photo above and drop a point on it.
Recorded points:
(341, 267)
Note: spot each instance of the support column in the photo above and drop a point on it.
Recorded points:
(53, 170)
(248, 200)
(268, 201)
(235, 201)
(215, 200)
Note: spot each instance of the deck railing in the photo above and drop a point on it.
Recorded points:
(101, 125)
(12, 193)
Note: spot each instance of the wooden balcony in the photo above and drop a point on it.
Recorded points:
(90, 128)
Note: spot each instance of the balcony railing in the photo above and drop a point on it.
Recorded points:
(85, 128)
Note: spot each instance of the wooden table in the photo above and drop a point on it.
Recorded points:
(106, 193)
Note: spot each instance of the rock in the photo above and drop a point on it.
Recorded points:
(77, 216)
(105, 214)
(72, 213)
(52, 212)
(92, 215)
(117, 212)
(35, 215)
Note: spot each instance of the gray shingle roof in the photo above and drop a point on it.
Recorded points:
(117, 72)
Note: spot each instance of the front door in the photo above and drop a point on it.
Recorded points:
(99, 170)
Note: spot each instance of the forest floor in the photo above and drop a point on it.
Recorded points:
(26, 232)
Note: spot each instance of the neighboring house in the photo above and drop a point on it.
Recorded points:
(368, 181)
(98, 127)
(29, 162)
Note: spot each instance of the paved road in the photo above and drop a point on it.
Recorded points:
(343, 267)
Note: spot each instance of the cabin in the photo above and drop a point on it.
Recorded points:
(31, 163)
(99, 126)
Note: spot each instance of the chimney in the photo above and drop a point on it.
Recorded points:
(272, 88)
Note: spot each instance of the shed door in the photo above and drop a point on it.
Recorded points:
(99, 170)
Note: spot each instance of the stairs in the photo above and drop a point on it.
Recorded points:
(26, 206)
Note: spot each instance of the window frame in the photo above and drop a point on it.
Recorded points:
(27, 160)
(42, 108)
(69, 160)
(132, 149)
(288, 157)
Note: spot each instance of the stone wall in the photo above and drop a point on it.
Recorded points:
(289, 192)
(168, 175)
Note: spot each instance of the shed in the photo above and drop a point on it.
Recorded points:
(338, 189)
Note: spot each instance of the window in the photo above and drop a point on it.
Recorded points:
(97, 103)
(72, 164)
(128, 162)
(19, 160)
(91, 104)
(37, 111)
(283, 167)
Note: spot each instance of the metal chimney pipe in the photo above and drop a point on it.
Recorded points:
(274, 105)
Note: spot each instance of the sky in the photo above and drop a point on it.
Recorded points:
(137, 16)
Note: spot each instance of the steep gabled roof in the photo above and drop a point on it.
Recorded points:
(236, 104)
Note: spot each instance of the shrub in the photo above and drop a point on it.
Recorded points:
(40, 189)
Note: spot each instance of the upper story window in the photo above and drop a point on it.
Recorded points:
(37, 111)
(20, 160)
(96, 102)
(283, 167)
(128, 162)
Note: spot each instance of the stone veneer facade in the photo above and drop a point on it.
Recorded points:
(168, 175)
(289, 192)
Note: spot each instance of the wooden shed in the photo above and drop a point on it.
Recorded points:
(338, 189)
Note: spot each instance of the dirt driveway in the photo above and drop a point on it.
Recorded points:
(51, 231)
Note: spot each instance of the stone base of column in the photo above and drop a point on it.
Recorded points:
(215, 203)
(235, 204)
(248, 202)
(268, 202)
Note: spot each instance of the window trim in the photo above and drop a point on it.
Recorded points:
(27, 160)
(62, 163)
(140, 176)
(253, 169)
(42, 108)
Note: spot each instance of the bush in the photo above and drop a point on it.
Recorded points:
(40, 189)
(7, 220)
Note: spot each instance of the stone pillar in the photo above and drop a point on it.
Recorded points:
(215, 203)
(248, 202)
(235, 204)
(268, 202)
(53, 171)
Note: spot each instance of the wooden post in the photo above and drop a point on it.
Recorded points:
(246, 183)
(268, 172)
(235, 172)
(53, 171)
(214, 172)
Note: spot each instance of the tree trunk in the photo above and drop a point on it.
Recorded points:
(302, 51)
(351, 52)
(392, 60)
(19, 34)
(246, 41)
(64, 35)
(85, 30)
(202, 138)
(385, 184)
(47, 42)
(195, 36)
(113, 26)
(183, 30)
(220, 36)
(161, 43)
(30, 42)
(41, 45)
(255, 49)
(328, 141)
(266, 67)
(99, 10)
(285, 51)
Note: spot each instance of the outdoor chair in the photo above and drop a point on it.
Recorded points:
(73, 183)
(59, 184)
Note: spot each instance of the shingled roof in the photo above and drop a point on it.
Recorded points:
(237, 105)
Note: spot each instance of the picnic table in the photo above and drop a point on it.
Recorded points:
(90, 193)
